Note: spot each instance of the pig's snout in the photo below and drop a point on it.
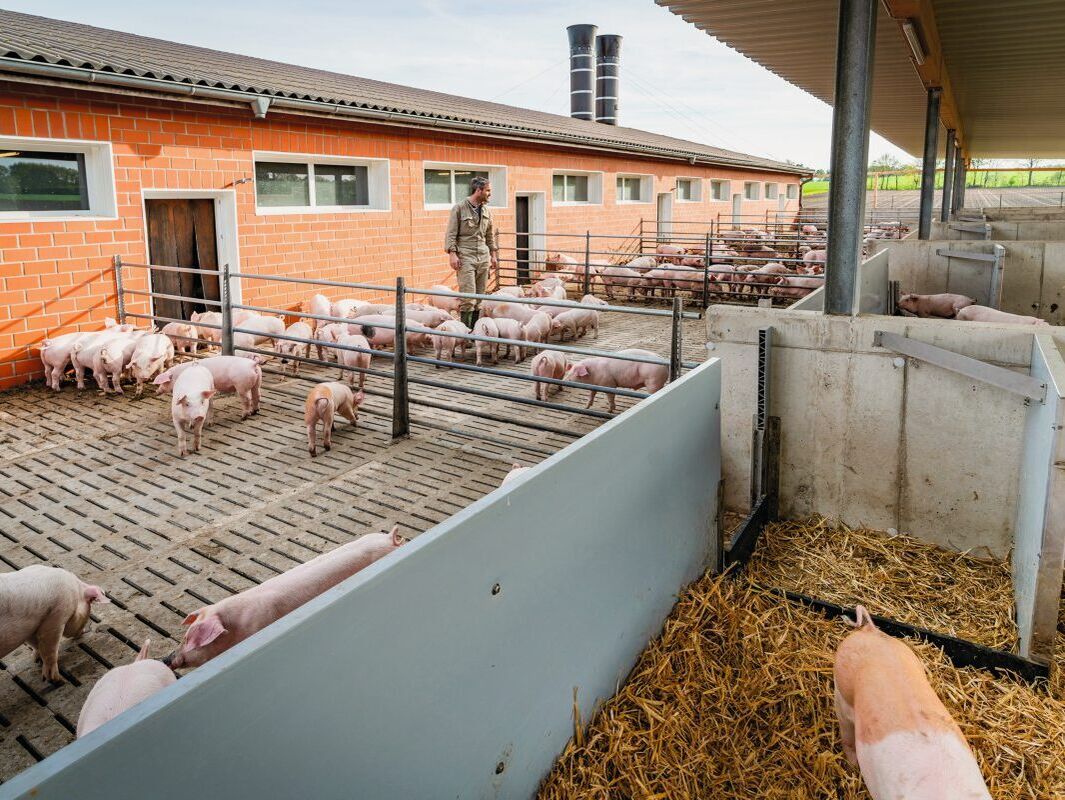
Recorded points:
(168, 659)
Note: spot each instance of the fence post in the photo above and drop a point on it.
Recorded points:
(641, 237)
(706, 272)
(227, 313)
(587, 262)
(120, 300)
(400, 387)
(676, 343)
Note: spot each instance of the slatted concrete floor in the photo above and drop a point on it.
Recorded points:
(92, 484)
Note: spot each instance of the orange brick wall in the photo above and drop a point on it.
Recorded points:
(57, 276)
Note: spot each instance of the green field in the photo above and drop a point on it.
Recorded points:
(975, 178)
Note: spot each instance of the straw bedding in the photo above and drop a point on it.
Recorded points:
(734, 700)
(897, 577)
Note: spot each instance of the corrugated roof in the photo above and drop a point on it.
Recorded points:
(26, 38)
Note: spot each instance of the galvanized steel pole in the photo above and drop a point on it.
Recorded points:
(400, 385)
(120, 300)
(588, 262)
(706, 272)
(928, 166)
(227, 313)
(958, 198)
(948, 178)
(855, 49)
(676, 344)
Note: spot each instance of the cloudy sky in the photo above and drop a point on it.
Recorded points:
(675, 79)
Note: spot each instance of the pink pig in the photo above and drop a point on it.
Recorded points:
(38, 606)
(985, 314)
(576, 322)
(893, 725)
(56, 351)
(548, 364)
(510, 329)
(515, 471)
(193, 390)
(372, 326)
(241, 376)
(216, 628)
(122, 688)
(486, 326)
(617, 373)
(151, 354)
(353, 358)
(538, 328)
(445, 347)
(323, 403)
(182, 335)
(448, 304)
(934, 305)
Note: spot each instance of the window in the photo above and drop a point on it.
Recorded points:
(770, 191)
(446, 184)
(576, 187)
(793, 191)
(720, 190)
(689, 190)
(55, 178)
(750, 191)
(287, 183)
(634, 189)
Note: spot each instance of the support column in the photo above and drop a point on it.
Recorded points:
(948, 177)
(959, 182)
(928, 167)
(855, 48)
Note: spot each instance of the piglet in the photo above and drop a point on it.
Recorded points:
(893, 725)
(510, 329)
(515, 471)
(324, 402)
(318, 305)
(151, 354)
(241, 376)
(38, 606)
(216, 628)
(444, 346)
(448, 304)
(575, 322)
(353, 358)
(122, 688)
(619, 373)
(193, 390)
(296, 350)
(548, 364)
(985, 314)
(182, 335)
(538, 328)
(486, 326)
(934, 305)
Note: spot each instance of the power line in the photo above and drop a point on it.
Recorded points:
(529, 80)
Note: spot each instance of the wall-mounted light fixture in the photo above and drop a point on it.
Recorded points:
(909, 30)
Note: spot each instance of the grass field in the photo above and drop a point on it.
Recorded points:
(976, 179)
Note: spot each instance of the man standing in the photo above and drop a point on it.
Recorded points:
(471, 246)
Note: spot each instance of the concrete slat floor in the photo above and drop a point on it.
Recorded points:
(92, 484)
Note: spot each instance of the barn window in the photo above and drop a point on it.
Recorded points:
(689, 190)
(793, 191)
(447, 184)
(634, 189)
(576, 187)
(750, 191)
(54, 178)
(720, 190)
(288, 183)
(770, 191)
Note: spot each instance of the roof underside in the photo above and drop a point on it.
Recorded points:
(1005, 62)
(26, 38)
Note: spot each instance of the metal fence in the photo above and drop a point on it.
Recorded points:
(401, 355)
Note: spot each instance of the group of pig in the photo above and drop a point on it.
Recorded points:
(958, 306)
(39, 605)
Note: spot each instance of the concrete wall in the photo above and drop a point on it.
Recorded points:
(433, 678)
(1033, 279)
(872, 438)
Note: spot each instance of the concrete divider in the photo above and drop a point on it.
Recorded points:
(447, 669)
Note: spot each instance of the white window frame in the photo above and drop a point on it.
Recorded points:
(775, 187)
(792, 191)
(99, 178)
(697, 189)
(646, 187)
(595, 188)
(497, 176)
(748, 195)
(727, 193)
(378, 176)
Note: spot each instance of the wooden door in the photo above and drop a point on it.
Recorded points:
(521, 238)
(181, 233)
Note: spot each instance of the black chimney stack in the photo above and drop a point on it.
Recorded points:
(581, 71)
(608, 58)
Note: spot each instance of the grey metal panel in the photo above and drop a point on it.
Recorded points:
(412, 679)
(1039, 535)
(814, 301)
(873, 288)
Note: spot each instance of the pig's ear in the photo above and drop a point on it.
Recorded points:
(582, 371)
(207, 394)
(143, 654)
(94, 594)
(360, 397)
(191, 618)
(203, 632)
(183, 400)
(397, 540)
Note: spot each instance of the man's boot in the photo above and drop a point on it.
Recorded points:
(467, 319)
(474, 316)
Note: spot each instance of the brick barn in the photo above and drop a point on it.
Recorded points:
(158, 152)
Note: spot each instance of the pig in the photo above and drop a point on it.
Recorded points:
(261, 330)
(448, 304)
(151, 354)
(324, 402)
(669, 253)
(296, 350)
(515, 471)
(318, 305)
(485, 326)
(561, 262)
(488, 307)
(190, 404)
(592, 300)
(934, 305)
(770, 273)
(642, 264)
(427, 317)
(344, 308)
(620, 276)
(984, 314)
(85, 354)
(56, 351)
(815, 257)
(215, 628)
(547, 364)
(182, 335)
(114, 357)
(894, 727)
(444, 347)
(242, 376)
(331, 333)
(519, 311)
(577, 322)
(353, 358)
(795, 286)
(538, 328)
(379, 330)
(208, 318)
(618, 373)
(510, 329)
(38, 606)
(122, 688)
(552, 311)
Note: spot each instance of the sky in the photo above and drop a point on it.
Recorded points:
(675, 79)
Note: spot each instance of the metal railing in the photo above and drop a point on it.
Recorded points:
(400, 375)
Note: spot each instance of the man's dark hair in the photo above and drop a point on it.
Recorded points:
(477, 183)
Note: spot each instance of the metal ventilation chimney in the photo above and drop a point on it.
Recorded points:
(581, 71)
(608, 58)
